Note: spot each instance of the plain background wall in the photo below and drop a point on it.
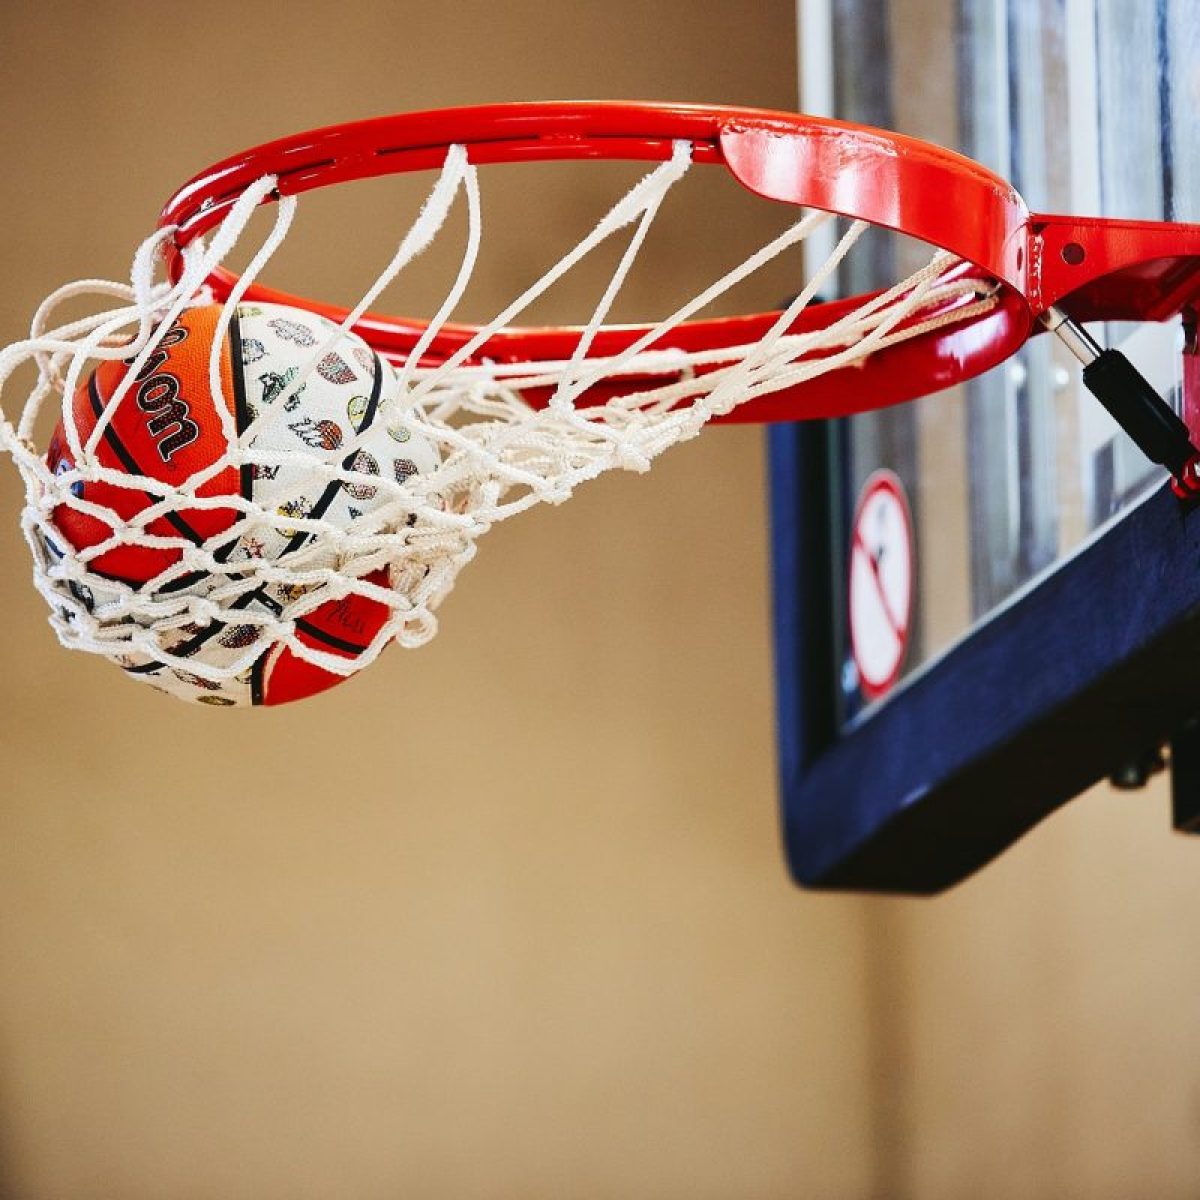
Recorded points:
(508, 916)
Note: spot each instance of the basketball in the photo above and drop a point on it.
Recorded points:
(168, 426)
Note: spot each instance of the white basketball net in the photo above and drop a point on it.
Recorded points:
(496, 455)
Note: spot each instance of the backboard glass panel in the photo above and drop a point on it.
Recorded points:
(1085, 105)
(1082, 123)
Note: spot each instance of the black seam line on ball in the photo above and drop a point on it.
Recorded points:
(318, 510)
(131, 464)
(368, 419)
(205, 636)
(137, 584)
(110, 577)
(328, 638)
(257, 670)
(241, 405)
(246, 483)
(241, 417)
(260, 593)
(327, 497)
(201, 639)
(241, 409)
(190, 648)
(331, 490)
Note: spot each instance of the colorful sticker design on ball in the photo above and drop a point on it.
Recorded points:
(274, 384)
(238, 637)
(320, 435)
(335, 369)
(356, 409)
(293, 331)
(363, 464)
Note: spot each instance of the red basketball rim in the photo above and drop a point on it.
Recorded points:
(1094, 269)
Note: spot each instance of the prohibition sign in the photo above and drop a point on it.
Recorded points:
(881, 583)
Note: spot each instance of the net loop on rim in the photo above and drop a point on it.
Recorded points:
(498, 437)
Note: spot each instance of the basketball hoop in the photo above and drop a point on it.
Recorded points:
(503, 416)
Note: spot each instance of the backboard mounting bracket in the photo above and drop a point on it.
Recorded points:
(1152, 424)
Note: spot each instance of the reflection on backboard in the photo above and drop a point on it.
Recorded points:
(1081, 105)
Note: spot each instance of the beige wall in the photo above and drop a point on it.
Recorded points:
(508, 915)
(1050, 1040)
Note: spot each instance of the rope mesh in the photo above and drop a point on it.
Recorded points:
(480, 452)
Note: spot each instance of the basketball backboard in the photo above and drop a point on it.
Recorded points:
(922, 730)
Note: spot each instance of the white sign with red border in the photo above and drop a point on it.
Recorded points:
(881, 583)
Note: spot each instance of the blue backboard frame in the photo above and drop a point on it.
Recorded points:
(1086, 106)
(1094, 667)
